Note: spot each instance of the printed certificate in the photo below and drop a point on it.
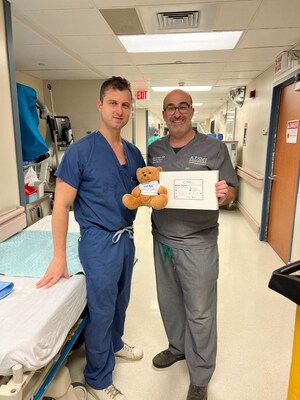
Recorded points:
(191, 189)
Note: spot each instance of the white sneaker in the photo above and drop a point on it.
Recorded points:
(130, 353)
(109, 393)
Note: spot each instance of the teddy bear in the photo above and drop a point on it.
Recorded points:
(149, 192)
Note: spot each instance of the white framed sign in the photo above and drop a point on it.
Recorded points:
(191, 189)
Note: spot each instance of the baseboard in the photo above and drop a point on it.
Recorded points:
(254, 225)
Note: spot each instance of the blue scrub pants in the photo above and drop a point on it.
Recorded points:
(108, 269)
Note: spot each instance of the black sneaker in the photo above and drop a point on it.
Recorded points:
(165, 359)
(197, 393)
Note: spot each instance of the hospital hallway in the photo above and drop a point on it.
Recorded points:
(255, 324)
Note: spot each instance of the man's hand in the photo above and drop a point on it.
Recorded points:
(54, 272)
(225, 193)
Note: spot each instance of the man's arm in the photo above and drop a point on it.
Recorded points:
(64, 198)
(225, 194)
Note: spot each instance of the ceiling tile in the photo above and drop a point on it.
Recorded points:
(36, 51)
(277, 14)
(118, 70)
(270, 37)
(226, 18)
(70, 22)
(51, 4)
(247, 66)
(186, 68)
(186, 57)
(24, 35)
(48, 64)
(108, 58)
(257, 54)
(93, 44)
(240, 74)
(65, 75)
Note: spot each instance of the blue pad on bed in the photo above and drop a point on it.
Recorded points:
(5, 288)
(29, 253)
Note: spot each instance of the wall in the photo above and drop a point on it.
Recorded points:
(12, 214)
(141, 131)
(252, 155)
(9, 199)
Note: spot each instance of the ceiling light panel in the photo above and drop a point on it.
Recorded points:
(195, 41)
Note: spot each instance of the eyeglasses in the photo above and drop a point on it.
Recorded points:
(182, 108)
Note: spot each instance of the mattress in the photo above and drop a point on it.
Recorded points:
(35, 322)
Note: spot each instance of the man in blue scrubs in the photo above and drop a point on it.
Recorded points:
(94, 174)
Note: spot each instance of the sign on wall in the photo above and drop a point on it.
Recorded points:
(142, 95)
(292, 131)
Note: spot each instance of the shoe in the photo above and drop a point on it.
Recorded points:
(109, 393)
(165, 359)
(197, 393)
(130, 353)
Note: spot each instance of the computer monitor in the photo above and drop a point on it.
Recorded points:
(62, 126)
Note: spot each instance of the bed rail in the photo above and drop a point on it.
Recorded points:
(34, 384)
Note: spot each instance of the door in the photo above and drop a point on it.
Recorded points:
(285, 174)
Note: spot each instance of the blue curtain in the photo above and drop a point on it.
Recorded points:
(33, 144)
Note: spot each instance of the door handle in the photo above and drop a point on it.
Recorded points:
(272, 177)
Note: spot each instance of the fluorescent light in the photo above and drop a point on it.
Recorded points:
(195, 41)
(197, 104)
(185, 88)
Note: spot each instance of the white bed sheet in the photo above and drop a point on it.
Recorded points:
(35, 322)
(44, 224)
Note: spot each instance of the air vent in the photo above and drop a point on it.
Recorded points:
(178, 19)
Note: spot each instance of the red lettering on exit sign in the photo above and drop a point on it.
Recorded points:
(141, 95)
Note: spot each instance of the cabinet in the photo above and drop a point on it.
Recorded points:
(38, 209)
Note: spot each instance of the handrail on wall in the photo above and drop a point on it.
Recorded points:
(251, 177)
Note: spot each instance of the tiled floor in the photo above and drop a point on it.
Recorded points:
(255, 324)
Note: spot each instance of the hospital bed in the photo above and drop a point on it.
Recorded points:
(39, 327)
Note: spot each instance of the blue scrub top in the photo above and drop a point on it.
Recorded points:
(91, 166)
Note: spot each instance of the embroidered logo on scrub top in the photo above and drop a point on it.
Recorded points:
(198, 160)
(158, 160)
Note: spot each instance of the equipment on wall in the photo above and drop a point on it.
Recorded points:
(59, 132)
(58, 137)
(237, 95)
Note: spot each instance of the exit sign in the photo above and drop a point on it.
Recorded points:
(141, 95)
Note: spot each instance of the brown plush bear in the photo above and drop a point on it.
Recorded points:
(149, 192)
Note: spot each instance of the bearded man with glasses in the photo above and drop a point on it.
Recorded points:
(185, 247)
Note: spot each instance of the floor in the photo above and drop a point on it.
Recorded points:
(255, 324)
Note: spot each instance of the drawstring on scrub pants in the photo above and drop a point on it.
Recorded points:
(116, 237)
